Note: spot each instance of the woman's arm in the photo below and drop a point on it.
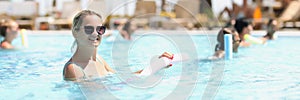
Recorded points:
(165, 54)
(107, 67)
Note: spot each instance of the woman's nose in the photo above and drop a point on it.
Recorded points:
(95, 33)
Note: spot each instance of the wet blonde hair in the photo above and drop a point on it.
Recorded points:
(77, 21)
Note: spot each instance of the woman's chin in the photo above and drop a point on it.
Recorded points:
(92, 45)
(95, 44)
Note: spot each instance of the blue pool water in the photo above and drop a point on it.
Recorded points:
(268, 71)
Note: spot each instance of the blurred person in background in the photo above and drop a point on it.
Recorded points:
(9, 30)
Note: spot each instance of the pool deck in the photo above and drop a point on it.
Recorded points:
(178, 32)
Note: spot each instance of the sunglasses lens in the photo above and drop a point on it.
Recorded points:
(88, 29)
(100, 30)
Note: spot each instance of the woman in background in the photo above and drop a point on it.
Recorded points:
(8, 30)
(271, 29)
(219, 49)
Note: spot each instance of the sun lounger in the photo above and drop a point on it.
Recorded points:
(291, 16)
(24, 13)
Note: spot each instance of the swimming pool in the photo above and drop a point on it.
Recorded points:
(259, 72)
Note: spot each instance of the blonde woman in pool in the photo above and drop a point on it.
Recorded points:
(87, 29)
(9, 30)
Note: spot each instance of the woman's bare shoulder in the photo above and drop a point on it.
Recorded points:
(68, 72)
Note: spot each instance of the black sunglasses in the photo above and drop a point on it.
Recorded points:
(90, 29)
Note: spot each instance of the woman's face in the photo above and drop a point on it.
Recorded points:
(274, 22)
(247, 29)
(232, 22)
(12, 31)
(92, 38)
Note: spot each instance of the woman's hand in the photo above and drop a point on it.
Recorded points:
(169, 56)
(245, 44)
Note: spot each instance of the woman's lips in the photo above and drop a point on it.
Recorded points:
(94, 40)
